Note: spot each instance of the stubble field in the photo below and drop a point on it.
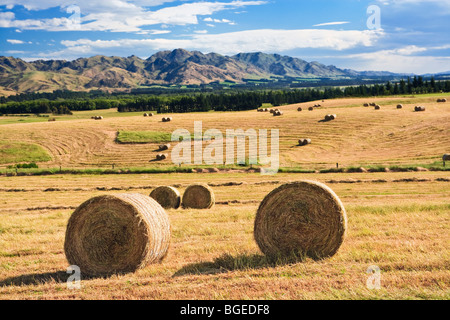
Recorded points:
(398, 221)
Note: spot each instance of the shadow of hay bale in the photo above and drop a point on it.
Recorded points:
(229, 263)
(42, 278)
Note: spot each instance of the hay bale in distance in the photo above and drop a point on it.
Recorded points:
(304, 142)
(277, 113)
(442, 100)
(299, 109)
(167, 197)
(304, 218)
(162, 156)
(377, 107)
(365, 104)
(163, 147)
(117, 234)
(145, 114)
(419, 108)
(198, 196)
(310, 108)
(399, 106)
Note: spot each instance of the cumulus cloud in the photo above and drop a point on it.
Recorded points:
(118, 15)
(14, 41)
(408, 59)
(267, 40)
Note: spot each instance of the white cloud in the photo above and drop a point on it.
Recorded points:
(401, 60)
(118, 15)
(331, 23)
(201, 31)
(14, 41)
(267, 40)
(443, 4)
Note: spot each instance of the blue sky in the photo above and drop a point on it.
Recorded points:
(409, 36)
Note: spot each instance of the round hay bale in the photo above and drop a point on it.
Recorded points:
(373, 104)
(304, 218)
(377, 107)
(150, 114)
(304, 142)
(145, 114)
(327, 117)
(277, 113)
(311, 108)
(366, 105)
(333, 117)
(167, 197)
(299, 109)
(164, 146)
(399, 106)
(117, 234)
(198, 196)
(272, 110)
(162, 156)
(419, 108)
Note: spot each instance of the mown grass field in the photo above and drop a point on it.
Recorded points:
(395, 222)
(398, 221)
(358, 137)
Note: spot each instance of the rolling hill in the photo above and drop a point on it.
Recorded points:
(165, 67)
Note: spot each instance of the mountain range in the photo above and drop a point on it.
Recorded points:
(178, 66)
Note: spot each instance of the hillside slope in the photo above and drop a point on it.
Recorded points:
(166, 67)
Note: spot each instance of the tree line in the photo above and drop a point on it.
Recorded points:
(232, 100)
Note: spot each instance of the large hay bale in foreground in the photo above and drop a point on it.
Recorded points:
(304, 218)
(116, 234)
(167, 197)
(198, 196)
